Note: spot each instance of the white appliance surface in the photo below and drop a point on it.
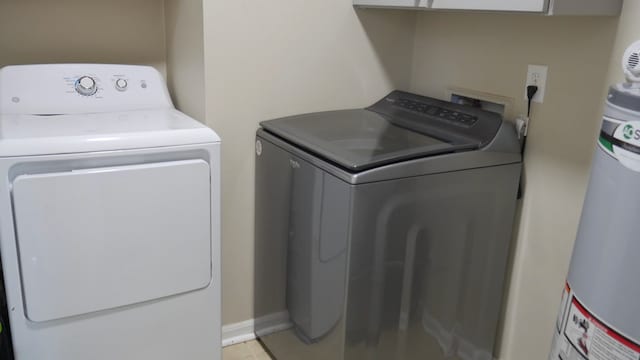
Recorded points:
(109, 216)
(120, 231)
(52, 89)
(22, 135)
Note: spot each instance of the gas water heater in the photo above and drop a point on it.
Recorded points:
(599, 316)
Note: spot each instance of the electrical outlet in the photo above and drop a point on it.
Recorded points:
(537, 75)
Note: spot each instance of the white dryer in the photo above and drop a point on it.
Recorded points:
(109, 216)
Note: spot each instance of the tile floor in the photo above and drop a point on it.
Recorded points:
(250, 350)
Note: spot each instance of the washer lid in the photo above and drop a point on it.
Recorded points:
(399, 127)
(23, 135)
(360, 139)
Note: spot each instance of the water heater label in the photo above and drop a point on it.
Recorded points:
(621, 140)
(581, 335)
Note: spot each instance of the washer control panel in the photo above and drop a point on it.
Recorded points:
(454, 116)
(457, 124)
(80, 88)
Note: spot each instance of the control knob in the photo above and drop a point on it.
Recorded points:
(86, 86)
(121, 84)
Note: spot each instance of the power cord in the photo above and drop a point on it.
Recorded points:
(531, 92)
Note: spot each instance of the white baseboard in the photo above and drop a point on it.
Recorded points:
(245, 330)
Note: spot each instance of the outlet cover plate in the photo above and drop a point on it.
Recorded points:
(537, 75)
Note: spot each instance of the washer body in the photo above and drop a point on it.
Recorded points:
(384, 233)
(109, 217)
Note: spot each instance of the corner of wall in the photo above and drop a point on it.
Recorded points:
(184, 34)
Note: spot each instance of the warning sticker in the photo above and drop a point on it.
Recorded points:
(585, 337)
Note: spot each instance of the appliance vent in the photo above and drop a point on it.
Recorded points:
(633, 61)
(631, 64)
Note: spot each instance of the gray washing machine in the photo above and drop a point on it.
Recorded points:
(383, 233)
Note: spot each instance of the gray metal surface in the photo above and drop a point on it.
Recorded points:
(400, 127)
(355, 139)
(602, 283)
(429, 265)
(319, 218)
(399, 269)
(455, 123)
(620, 98)
(503, 150)
(604, 266)
(398, 262)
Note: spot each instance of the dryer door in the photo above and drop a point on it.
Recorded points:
(96, 239)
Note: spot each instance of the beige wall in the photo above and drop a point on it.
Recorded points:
(185, 56)
(44, 31)
(490, 53)
(269, 59)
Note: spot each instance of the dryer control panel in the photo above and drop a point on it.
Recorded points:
(80, 88)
